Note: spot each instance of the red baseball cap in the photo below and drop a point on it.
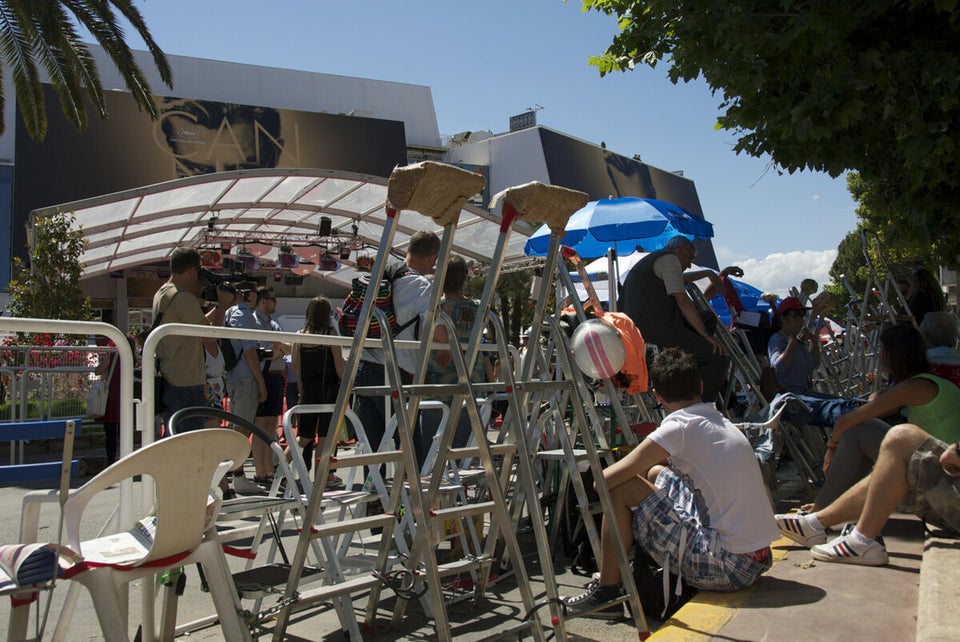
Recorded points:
(791, 303)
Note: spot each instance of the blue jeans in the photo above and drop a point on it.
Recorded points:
(824, 409)
(178, 397)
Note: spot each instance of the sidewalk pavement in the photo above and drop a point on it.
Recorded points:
(910, 598)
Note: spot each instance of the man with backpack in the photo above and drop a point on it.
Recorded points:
(411, 296)
(246, 387)
(275, 370)
(691, 494)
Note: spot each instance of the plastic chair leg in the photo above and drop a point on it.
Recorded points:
(222, 590)
(66, 613)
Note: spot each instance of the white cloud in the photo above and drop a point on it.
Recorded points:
(779, 272)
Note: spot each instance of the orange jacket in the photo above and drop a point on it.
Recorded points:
(635, 366)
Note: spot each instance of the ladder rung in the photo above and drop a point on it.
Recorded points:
(322, 593)
(540, 386)
(346, 497)
(352, 525)
(558, 454)
(465, 510)
(474, 451)
(365, 459)
(244, 507)
(419, 390)
(445, 486)
(255, 579)
(462, 565)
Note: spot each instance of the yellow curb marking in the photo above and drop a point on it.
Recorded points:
(709, 611)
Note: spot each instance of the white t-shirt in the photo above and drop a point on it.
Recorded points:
(716, 459)
(668, 268)
(411, 298)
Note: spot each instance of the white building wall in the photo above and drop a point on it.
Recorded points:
(513, 159)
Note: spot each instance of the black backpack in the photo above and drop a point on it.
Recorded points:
(230, 356)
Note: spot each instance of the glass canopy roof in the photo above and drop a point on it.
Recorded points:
(144, 225)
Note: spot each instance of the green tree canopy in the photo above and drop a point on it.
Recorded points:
(41, 36)
(828, 86)
(49, 287)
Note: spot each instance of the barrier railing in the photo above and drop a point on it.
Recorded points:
(124, 371)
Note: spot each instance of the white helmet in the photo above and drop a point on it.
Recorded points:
(598, 349)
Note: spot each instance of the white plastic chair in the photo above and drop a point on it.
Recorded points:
(180, 530)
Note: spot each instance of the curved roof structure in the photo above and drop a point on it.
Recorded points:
(145, 225)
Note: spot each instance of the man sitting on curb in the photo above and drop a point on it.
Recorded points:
(707, 513)
(915, 471)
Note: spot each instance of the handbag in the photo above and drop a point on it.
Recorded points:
(97, 396)
(99, 392)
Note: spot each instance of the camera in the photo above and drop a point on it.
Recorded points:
(264, 353)
(214, 282)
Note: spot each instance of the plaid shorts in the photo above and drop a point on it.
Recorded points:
(665, 514)
(932, 495)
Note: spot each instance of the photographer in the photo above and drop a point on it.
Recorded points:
(181, 358)
(217, 291)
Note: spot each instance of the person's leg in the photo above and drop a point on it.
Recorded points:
(243, 403)
(424, 434)
(111, 440)
(810, 529)
(371, 411)
(625, 498)
(888, 485)
(852, 460)
(266, 420)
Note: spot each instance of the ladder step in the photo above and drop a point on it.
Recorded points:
(254, 583)
(245, 507)
(463, 565)
(323, 593)
(352, 525)
(558, 454)
(474, 451)
(346, 497)
(366, 459)
(419, 390)
(465, 510)
(446, 486)
(544, 386)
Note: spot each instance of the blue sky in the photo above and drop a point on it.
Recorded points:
(486, 61)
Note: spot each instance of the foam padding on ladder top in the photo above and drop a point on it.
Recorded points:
(434, 189)
(535, 202)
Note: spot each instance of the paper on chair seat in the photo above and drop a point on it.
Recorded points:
(122, 548)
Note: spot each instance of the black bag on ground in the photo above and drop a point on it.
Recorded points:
(648, 576)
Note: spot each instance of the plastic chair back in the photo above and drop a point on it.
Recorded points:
(182, 467)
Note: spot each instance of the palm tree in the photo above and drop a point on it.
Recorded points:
(42, 35)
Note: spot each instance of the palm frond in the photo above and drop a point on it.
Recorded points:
(98, 17)
(17, 43)
(42, 35)
(132, 14)
(58, 57)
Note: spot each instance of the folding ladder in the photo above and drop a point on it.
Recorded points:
(439, 191)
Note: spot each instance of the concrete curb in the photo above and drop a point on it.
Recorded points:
(939, 587)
